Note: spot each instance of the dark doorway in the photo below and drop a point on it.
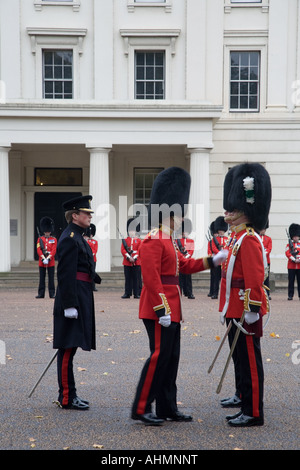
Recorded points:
(50, 205)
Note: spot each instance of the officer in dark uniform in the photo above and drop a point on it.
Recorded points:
(74, 316)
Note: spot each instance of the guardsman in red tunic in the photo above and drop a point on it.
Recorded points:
(160, 303)
(247, 198)
(131, 261)
(216, 244)
(212, 233)
(292, 252)
(46, 250)
(186, 246)
(93, 243)
(267, 242)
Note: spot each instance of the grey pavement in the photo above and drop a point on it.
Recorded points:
(108, 376)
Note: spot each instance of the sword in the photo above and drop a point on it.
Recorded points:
(220, 347)
(236, 336)
(43, 373)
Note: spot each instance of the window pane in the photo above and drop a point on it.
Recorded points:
(68, 72)
(234, 102)
(48, 71)
(58, 177)
(159, 73)
(149, 73)
(140, 73)
(58, 58)
(150, 59)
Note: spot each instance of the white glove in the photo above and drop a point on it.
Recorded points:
(45, 261)
(220, 257)
(71, 312)
(165, 320)
(251, 317)
(222, 318)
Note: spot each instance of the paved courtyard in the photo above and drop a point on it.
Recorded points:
(108, 376)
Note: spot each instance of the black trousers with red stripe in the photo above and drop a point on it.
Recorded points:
(65, 375)
(158, 377)
(249, 372)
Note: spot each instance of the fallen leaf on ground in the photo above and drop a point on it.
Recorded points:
(98, 446)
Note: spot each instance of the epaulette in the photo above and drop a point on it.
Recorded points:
(250, 231)
(153, 232)
(72, 234)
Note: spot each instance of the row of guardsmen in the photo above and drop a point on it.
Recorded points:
(218, 236)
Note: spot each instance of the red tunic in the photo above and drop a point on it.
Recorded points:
(133, 245)
(161, 262)
(188, 245)
(94, 247)
(291, 258)
(50, 244)
(212, 248)
(267, 242)
(247, 291)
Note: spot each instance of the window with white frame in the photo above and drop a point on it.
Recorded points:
(143, 180)
(149, 1)
(57, 74)
(149, 75)
(244, 80)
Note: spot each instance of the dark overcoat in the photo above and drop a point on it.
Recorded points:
(74, 256)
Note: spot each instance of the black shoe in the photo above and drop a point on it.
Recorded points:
(232, 402)
(149, 419)
(76, 404)
(52, 296)
(243, 421)
(39, 296)
(125, 296)
(191, 296)
(83, 401)
(236, 415)
(290, 298)
(178, 416)
(136, 296)
(214, 297)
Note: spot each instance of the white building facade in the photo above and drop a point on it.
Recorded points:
(97, 96)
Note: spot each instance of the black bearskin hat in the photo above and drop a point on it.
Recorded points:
(93, 229)
(220, 224)
(46, 225)
(132, 225)
(212, 228)
(169, 195)
(294, 230)
(247, 187)
(90, 231)
(187, 226)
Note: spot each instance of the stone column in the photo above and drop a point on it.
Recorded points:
(199, 202)
(5, 263)
(99, 189)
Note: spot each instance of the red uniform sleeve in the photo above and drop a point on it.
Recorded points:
(191, 265)
(38, 248)
(151, 252)
(253, 273)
